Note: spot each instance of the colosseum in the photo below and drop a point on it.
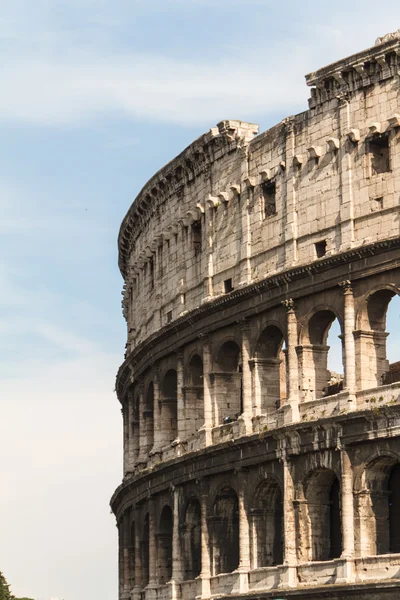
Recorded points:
(250, 469)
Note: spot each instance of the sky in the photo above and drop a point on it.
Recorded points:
(96, 96)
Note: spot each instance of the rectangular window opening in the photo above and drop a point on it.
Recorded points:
(151, 263)
(269, 197)
(379, 155)
(196, 237)
(320, 248)
(169, 316)
(228, 287)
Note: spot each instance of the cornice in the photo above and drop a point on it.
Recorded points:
(276, 281)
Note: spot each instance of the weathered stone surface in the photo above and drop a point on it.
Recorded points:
(250, 468)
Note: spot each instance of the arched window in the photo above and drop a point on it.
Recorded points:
(148, 415)
(373, 368)
(378, 509)
(267, 525)
(270, 370)
(193, 392)
(321, 510)
(225, 534)
(317, 380)
(164, 546)
(227, 383)
(191, 543)
(169, 407)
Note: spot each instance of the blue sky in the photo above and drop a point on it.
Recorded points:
(96, 96)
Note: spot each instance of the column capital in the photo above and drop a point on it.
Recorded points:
(289, 304)
(179, 353)
(204, 338)
(346, 286)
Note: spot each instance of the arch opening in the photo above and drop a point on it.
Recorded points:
(194, 396)
(267, 525)
(322, 509)
(169, 408)
(270, 370)
(191, 540)
(377, 354)
(227, 384)
(164, 546)
(225, 538)
(316, 357)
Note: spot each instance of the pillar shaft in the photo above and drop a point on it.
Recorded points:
(246, 374)
(181, 417)
(347, 505)
(289, 521)
(292, 361)
(207, 395)
(152, 544)
(205, 545)
(156, 411)
(176, 544)
(244, 533)
(349, 343)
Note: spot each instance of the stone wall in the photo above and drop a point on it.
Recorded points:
(249, 468)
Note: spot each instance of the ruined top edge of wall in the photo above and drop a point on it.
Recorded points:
(227, 136)
(355, 72)
(385, 46)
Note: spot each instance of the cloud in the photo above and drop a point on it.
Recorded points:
(57, 92)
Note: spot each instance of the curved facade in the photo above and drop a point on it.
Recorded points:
(249, 467)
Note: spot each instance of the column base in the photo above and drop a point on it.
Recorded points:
(246, 424)
(135, 595)
(346, 571)
(288, 577)
(242, 584)
(203, 587)
(291, 413)
(205, 434)
(174, 590)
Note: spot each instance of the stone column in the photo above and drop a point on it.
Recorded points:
(247, 399)
(345, 162)
(244, 536)
(133, 436)
(289, 221)
(142, 425)
(349, 343)
(156, 412)
(292, 361)
(347, 513)
(181, 417)
(245, 252)
(207, 394)
(138, 559)
(152, 544)
(176, 545)
(205, 544)
(125, 419)
(289, 526)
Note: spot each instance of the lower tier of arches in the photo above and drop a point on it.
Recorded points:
(314, 505)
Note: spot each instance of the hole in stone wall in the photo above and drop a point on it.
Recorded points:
(196, 237)
(379, 155)
(269, 198)
(169, 316)
(320, 248)
(376, 204)
(228, 287)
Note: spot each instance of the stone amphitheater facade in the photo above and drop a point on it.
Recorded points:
(248, 468)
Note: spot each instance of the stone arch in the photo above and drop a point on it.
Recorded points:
(316, 379)
(318, 516)
(373, 368)
(378, 505)
(191, 539)
(269, 369)
(164, 545)
(168, 406)
(267, 524)
(225, 531)
(194, 395)
(227, 383)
